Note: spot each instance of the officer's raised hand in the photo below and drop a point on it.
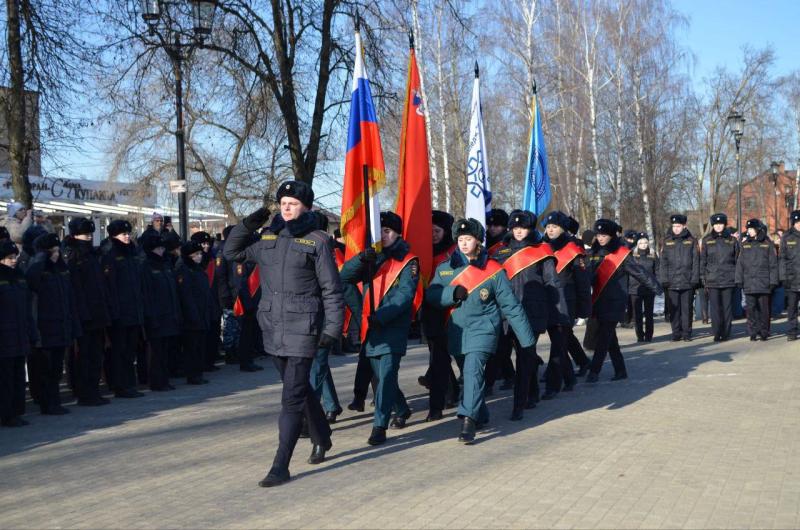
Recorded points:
(368, 255)
(256, 220)
(460, 293)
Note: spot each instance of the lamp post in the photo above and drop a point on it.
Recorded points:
(165, 24)
(736, 124)
(774, 167)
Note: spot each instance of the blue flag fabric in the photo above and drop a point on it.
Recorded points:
(537, 178)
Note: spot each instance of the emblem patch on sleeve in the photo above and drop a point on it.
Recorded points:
(484, 294)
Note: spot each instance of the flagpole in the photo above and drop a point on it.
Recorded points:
(367, 239)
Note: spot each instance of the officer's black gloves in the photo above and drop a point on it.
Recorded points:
(326, 341)
(460, 293)
(256, 220)
(368, 256)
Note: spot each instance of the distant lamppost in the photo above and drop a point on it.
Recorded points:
(736, 124)
(774, 166)
(166, 20)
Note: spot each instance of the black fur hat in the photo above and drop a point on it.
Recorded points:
(80, 226)
(297, 190)
(151, 240)
(522, 219)
(118, 226)
(719, 218)
(46, 241)
(677, 219)
(171, 240)
(189, 248)
(574, 225)
(393, 221)
(755, 223)
(469, 227)
(559, 219)
(202, 237)
(606, 227)
(795, 216)
(7, 248)
(497, 217)
(443, 220)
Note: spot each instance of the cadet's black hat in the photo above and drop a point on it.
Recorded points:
(118, 226)
(322, 222)
(46, 241)
(606, 227)
(29, 236)
(171, 240)
(469, 227)
(151, 240)
(393, 221)
(4, 233)
(587, 237)
(7, 248)
(677, 219)
(202, 237)
(574, 225)
(719, 218)
(557, 218)
(795, 216)
(754, 223)
(497, 217)
(642, 235)
(80, 226)
(631, 234)
(189, 248)
(297, 190)
(522, 219)
(443, 220)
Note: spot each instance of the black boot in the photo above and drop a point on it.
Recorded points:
(582, 371)
(399, 422)
(620, 376)
(467, 435)
(516, 414)
(356, 405)
(378, 436)
(318, 453)
(332, 415)
(275, 477)
(549, 394)
(434, 415)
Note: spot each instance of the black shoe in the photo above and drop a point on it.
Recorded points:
(619, 377)
(531, 403)
(568, 388)
(764, 337)
(332, 415)
(488, 391)
(93, 402)
(717, 339)
(790, 338)
(423, 381)
(434, 415)
(57, 410)
(14, 421)
(687, 339)
(211, 368)
(508, 384)
(165, 388)
(516, 415)
(275, 477)
(378, 436)
(549, 394)
(648, 339)
(675, 339)
(318, 453)
(250, 367)
(196, 381)
(582, 370)
(357, 405)
(467, 435)
(753, 338)
(592, 378)
(399, 422)
(128, 394)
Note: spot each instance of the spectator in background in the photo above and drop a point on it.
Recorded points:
(17, 220)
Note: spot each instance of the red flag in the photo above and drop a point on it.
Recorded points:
(414, 185)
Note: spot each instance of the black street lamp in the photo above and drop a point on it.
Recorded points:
(774, 166)
(736, 124)
(165, 23)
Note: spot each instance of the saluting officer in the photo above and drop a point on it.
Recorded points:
(718, 255)
(300, 291)
(679, 274)
(789, 272)
(757, 275)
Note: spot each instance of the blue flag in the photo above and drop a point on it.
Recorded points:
(537, 178)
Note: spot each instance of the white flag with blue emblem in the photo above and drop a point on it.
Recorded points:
(479, 192)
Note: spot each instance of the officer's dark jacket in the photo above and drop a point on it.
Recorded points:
(613, 300)
(230, 277)
(17, 328)
(393, 314)
(162, 306)
(476, 323)
(718, 256)
(195, 295)
(679, 267)
(789, 260)
(216, 307)
(649, 263)
(537, 287)
(122, 268)
(433, 317)
(575, 279)
(300, 286)
(88, 283)
(54, 304)
(757, 267)
(249, 303)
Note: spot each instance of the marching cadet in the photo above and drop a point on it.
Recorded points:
(530, 266)
(300, 310)
(500, 364)
(56, 318)
(92, 301)
(477, 295)
(195, 296)
(642, 298)
(583, 294)
(16, 336)
(718, 254)
(210, 264)
(496, 230)
(122, 270)
(789, 272)
(679, 274)
(611, 268)
(757, 275)
(162, 309)
(386, 318)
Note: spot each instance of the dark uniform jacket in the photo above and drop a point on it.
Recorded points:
(537, 287)
(679, 267)
(575, 279)
(718, 257)
(301, 294)
(649, 263)
(352, 295)
(54, 304)
(122, 268)
(757, 267)
(432, 316)
(17, 328)
(88, 283)
(195, 295)
(612, 303)
(789, 260)
(230, 277)
(162, 306)
(393, 312)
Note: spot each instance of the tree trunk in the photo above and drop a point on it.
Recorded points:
(442, 110)
(18, 144)
(637, 110)
(425, 108)
(620, 144)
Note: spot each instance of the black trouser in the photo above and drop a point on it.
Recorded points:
(142, 357)
(629, 312)
(213, 342)
(526, 377)
(124, 340)
(643, 311)
(574, 347)
(680, 311)
(500, 363)
(175, 356)
(791, 312)
(364, 376)
(158, 363)
(559, 368)
(88, 364)
(297, 400)
(758, 312)
(51, 368)
(607, 343)
(721, 303)
(12, 387)
(194, 349)
(441, 376)
(248, 339)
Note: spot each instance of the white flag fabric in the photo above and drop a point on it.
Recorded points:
(479, 191)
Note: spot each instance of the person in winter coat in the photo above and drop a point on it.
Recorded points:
(679, 274)
(122, 269)
(210, 264)
(92, 302)
(789, 272)
(56, 317)
(718, 254)
(17, 334)
(17, 220)
(498, 365)
(642, 298)
(196, 308)
(757, 275)
(229, 278)
(478, 296)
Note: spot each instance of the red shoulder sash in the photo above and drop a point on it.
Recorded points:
(494, 249)
(611, 262)
(387, 274)
(440, 258)
(525, 258)
(472, 277)
(566, 254)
